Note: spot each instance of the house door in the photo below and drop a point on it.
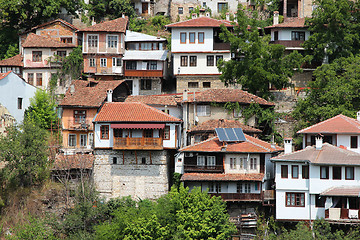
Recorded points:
(144, 8)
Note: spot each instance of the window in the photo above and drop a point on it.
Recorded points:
(192, 37)
(131, 65)
(294, 171)
(201, 160)
(92, 62)
(193, 61)
(79, 116)
(336, 173)
(211, 161)
(72, 140)
(218, 187)
(203, 110)
(112, 41)
(193, 84)
(151, 65)
(354, 141)
(284, 171)
(237, 113)
(256, 186)
(20, 101)
(104, 132)
(92, 41)
(210, 60)
(39, 79)
(148, 133)
(305, 172)
(114, 160)
(295, 35)
(102, 62)
(180, 10)
(143, 160)
(239, 188)
(167, 133)
(145, 84)
(184, 61)
(295, 200)
(37, 56)
(241, 163)
(118, 133)
(253, 163)
(191, 9)
(146, 46)
(349, 173)
(31, 78)
(218, 57)
(206, 85)
(276, 35)
(233, 163)
(324, 172)
(182, 37)
(247, 188)
(319, 201)
(204, 4)
(200, 37)
(83, 140)
(222, 7)
(61, 54)
(91, 139)
(116, 62)
(66, 39)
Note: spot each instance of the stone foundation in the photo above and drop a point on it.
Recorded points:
(182, 82)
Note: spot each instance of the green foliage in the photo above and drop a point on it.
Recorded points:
(176, 180)
(25, 151)
(334, 91)
(42, 110)
(110, 9)
(73, 64)
(152, 26)
(12, 51)
(335, 27)
(258, 64)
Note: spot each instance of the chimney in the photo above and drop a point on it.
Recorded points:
(207, 14)
(358, 116)
(109, 95)
(185, 95)
(72, 88)
(287, 145)
(123, 15)
(227, 17)
(318, 142)
(276, 18)
(194, 15)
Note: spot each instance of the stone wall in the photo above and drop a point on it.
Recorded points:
(182, 82)
(139, 174)
(155, 88)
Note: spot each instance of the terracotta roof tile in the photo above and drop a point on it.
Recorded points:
(3, 75)
(211, 124)
(37, 41)
(327, 155)
(13, 61)
(51, 22)
(88, 93)
(251, 145)
(165, 99)
(350, 191)
(222, 177)
(339, 124)
(116, 25)
(290, 23)
(76, 161)
(201, 22)
(132, 112)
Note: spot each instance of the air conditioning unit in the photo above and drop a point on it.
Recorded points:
(189, 154)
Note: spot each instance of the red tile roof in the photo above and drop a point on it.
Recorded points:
(132, 112)
(290, 23)
(13, 61)
(327, 155)
(88, 93)
(37, 41)
(350, 191)
(116, 25)
(339, 124)
(52, 22)
(222, 177)
(211, 124)
(3, 75)
(165, 99)
(201, 22)
(251, 145)
(76, 161)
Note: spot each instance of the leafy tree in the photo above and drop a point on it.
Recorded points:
(334, 91)
(25, 151)
(112, 9)
(258, 64)
(12, 51)
(335, 27)
(42, 110)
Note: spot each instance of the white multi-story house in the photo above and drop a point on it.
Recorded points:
(134, 146)
(341, 131)
(320, 181)
(196, 48)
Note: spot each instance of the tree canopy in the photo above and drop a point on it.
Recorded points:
(258, 65)
(112, 9)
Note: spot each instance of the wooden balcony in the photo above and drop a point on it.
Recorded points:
(289, 43)
(143, 73)
(204, 169)
(341, 214)
(138, 143)
(221, 46)
(248, 197)
(82, 125)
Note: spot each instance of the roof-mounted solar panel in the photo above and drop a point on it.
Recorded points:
(221, 134)
(230, 134)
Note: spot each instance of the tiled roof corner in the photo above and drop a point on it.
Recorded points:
(291, 23)
(16, 60)
(36, 41)
(116, 25)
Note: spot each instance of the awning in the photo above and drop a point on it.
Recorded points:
(139, 126)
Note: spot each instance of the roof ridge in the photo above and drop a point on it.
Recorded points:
(256, 144)
(350, 120)
(318, 124)
(195, 144)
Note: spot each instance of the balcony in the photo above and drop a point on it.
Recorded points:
(248, 197)
(289, 43)
(82, 125)
(138, 143)
(342, 214)
(221, 46)
(196, 168)
(143, 73)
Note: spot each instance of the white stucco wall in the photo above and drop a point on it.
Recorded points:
(176, 46)
(238, 169)
(285, 34)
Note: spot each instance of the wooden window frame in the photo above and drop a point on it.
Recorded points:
(203, 37)
(193, 61)
(86, 140)
(182, 34)
(282, 170)
(297, 196)
(167, 133)
(303, 169)
(79, 117)
(190, 34)
(327, 172)
(184, 63)
(31, 79)
(102, 62)
(354, 142)
(210, 60)
(37, 56)
(92, 62)
(39, 78)
(72, 135)
(293, 171)
(353, 173)
(104, 132)
(93, 41)
(333, 169)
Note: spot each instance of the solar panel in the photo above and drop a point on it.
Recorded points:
(221, 134)
(230, 134)
(240, 134)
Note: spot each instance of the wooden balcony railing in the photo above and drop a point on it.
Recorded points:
(143, 73)
(269, 195)
(289, 43)
(197, 168)
(221, 46)
(83, 125)
(341, 214)
(138, 143)
(252, 197)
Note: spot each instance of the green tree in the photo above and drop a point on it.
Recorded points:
(334, 91)
(335, 29)
(258, 64)
(42, 110)
(112, 9)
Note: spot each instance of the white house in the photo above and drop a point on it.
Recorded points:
(15, 94)
(320, 181)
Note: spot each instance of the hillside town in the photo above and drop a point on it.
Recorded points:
(207, 102)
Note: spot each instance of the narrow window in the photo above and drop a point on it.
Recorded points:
(92, 41)
(102, 62)
(72, 140)
(114, 160)
(233, 163)
(112, 41)
(276, 35)
(201, 161)
(167, 133)
(180, 10)
(253, 163)
(39, 79)
(184, 61)
(218, 57)
(210, 60)
(294, 171)
(284, 171)
(349, 173)
(324, 172)
(200, 37)
(104, 132)
(37, 56)
(19, 103)
(354, 142)
(192, 37)
(92, 62)
(83, 140)
(336, 173)
(305, 172)
(247, 188)
(211, 161)
(31, 78)
(143, 160)
(193, 61)
(239, 188)
(116, 62)
(182, 37)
